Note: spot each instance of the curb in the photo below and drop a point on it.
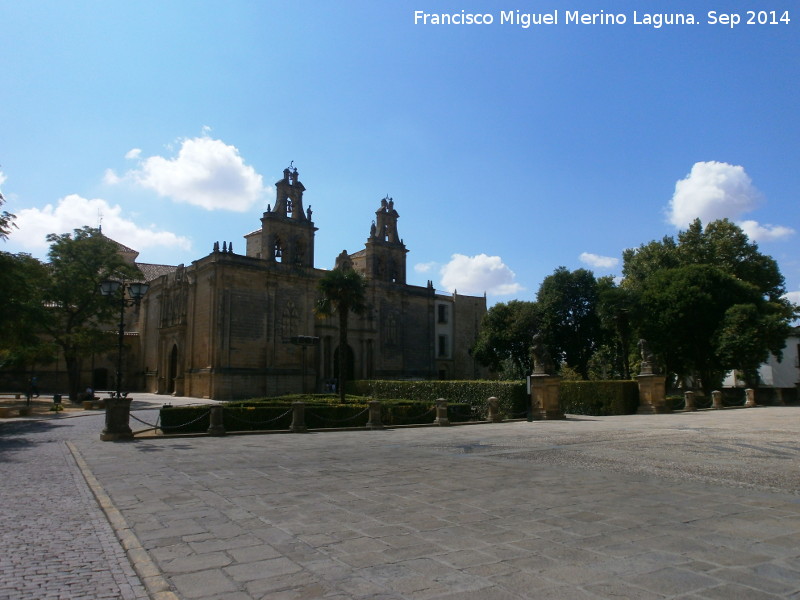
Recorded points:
(156, 585)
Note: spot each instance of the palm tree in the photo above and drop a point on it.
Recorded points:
(343, 291)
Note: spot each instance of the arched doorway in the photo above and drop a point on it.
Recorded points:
(173, 369)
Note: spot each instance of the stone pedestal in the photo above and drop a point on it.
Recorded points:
(494, 410)
(716, 400)
(652, 395)
(118, 412)
(750, 396)
(215, 421)
(441, 412)
(375, 420)
(545, 403)
(689, 402)
(298, 418)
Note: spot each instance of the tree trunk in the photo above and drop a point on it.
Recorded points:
(343, 314)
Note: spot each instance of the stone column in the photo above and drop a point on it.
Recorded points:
(441, 412)
(689, 399)
(118, 412)
(750, 394)
(652, 397)
(716, 400)
(298, 418)
(494, 410)
(545, 403)
(374, 415)
(215, 420)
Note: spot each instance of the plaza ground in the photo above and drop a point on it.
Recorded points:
(687, 505)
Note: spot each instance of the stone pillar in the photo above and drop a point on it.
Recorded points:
(545, 403)
(374, 415)
(298, 418)
(441, 412)
(118, 412)
(716, 400)
(215, 420)
(494, 410)
(652, 397)
(750, 394)
(689, 399)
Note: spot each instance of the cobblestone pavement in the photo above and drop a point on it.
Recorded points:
(682, 506)
(55, 541)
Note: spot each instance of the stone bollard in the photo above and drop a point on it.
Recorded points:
(689, 400)
(441, 412)
(750, 394)
(374, 415)
(298, 418)
(494, 410)
(215, 421)
(716, 400)
(118, 412)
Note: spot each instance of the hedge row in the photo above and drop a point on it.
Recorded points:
(599, 398)
(512, 394)
(276, 414)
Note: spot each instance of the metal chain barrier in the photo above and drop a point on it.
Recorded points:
(416, 417)
(203, 416)
(231, 416)
(353, 418)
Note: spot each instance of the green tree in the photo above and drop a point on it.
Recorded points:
(708, 302)
(343, 291)
(568, 321)
(6, 221)
(504, 339)
(76, 309)
(22, 281)
(614, 309)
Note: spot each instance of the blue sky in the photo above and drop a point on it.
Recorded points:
(509, 151)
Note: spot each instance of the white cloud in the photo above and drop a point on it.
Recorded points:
(765, 233)
(597, 261)
(425, 267)
(133, 154)
(793, 297)
(478, 274)
(712, 190)
(74, 212)
(2, 178)
(206, 173)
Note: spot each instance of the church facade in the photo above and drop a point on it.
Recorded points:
(243, 325)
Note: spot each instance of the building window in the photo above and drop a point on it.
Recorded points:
(443, 313)
(443, 346)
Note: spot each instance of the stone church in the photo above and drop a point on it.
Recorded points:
(242, 325)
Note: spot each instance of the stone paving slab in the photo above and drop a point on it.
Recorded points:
(700, 505)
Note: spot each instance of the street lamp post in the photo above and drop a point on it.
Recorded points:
(119, 405)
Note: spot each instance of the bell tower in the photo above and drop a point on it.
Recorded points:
(385, 252)
(287, 231)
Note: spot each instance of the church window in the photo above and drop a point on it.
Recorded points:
(391, 329)
(442, 313)
(289, 321)
(443, 346)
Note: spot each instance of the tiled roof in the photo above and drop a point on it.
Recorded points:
(152, 272)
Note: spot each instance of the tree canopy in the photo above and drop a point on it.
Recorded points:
(75, 308)
(504, 339)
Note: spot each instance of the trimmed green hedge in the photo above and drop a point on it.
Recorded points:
(512, 394)
(599, 398)
(276, 414)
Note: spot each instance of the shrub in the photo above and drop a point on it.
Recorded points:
(512, 394)
(599, 398)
